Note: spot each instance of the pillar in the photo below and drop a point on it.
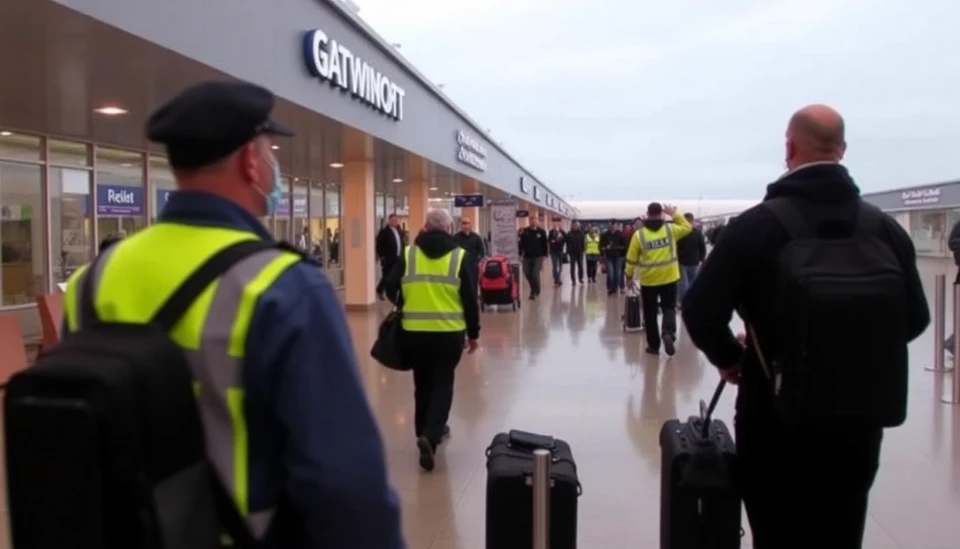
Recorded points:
(418, 193)
(356, 236)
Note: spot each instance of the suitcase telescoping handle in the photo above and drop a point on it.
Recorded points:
(706, 411)
(541, 498)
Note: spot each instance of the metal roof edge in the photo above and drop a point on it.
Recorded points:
(911, 187)
(392, 52)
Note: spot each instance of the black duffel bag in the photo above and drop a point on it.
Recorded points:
(387, 349)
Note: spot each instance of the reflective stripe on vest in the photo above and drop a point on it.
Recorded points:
(212, 333)
(431, 292)
(656, 251)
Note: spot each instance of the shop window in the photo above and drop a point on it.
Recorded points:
(162, 183)
(21, 233)
(20, 146)
(316, 224)
(282, 217)
(333, 223)
(380, 214)
(69, 154)
(299, 211)
(119, 195)
(71, 220)
(928, 231)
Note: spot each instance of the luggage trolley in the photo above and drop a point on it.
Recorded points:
(499, 283)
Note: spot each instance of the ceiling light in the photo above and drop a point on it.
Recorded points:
(336, 165)
(126, 165)
(275, 147)
(397, 180)
(6, 134)
(111, 111)
(433, 188)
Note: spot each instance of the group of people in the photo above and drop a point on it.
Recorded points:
(315, 472)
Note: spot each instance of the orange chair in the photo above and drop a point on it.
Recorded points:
(51, 319)
(13, 353)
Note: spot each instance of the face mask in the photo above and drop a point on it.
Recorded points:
(271, 200)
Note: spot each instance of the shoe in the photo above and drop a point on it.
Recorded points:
(533, 297)
(446, 432)
(668, 345)
(581, 281)
(427, 463)
(652, 351)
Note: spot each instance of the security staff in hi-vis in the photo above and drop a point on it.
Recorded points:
(653, 248)
(288, 428)
(436, 290)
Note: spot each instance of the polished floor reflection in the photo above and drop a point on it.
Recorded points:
(564, 366)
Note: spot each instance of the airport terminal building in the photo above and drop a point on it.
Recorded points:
(927, 212)
(374, 136)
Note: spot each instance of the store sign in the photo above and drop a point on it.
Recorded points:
(523, 213)
(525, 186)
(538, 194)
(468, 201)
(299, 205)
(332, 62)
(471, 151)
(927, 196)
(119, 201)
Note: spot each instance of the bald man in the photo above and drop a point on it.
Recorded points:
(829, 289)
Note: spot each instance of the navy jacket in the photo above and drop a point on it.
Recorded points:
(314, 443)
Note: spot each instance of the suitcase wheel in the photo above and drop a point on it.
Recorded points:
(514, 306)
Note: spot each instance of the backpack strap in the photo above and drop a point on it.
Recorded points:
(184, 296)
(790, 217)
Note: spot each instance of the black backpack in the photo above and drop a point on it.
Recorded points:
(104, 441)
(840, 318)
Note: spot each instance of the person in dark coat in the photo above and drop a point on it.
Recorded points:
(471, 242)
(389, 245)
(614, 248)
(691, 251)
(576, 242)
(791, 476)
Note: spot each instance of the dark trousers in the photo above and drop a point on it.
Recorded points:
(434, 357)
(664, 299)
(531, 271)
(576, 265)
(386, 265)
(592, 261)
(805, 488)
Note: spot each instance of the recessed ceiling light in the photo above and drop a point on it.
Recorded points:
(111, 111)
(433, 188)
(275, 147)
(336, 165)
(397, 180)
(126, 165)
(6, 134)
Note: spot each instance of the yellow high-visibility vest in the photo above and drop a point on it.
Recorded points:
(658, 256)
(137, 275)
(592, 246)
(431, 292)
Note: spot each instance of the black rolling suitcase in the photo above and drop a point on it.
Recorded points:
(632, 312)
(699, 503)
(511, 492)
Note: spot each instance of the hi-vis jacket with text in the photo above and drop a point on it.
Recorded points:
(653, 248)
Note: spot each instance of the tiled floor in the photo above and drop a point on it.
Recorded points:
(563, 366)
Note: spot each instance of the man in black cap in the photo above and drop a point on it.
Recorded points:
(287, 423)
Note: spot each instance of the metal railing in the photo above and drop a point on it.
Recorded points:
(940, 366)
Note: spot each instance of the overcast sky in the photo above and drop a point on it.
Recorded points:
(615, 98)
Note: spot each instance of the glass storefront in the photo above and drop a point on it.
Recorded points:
(929, 231)
(91, 192)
